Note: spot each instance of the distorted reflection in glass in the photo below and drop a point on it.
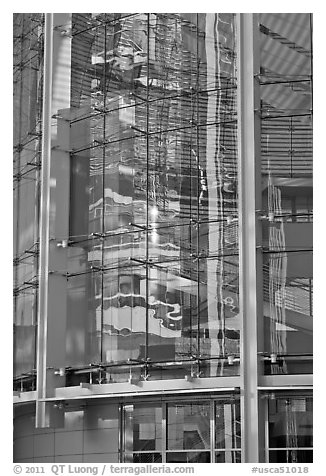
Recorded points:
(157, 171)
(287, 199)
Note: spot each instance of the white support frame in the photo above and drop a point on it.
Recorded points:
(41, 362)
(54, 216)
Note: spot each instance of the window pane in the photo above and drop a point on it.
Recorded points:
(142, 428)
(227, 457)
(291, 456)
(227, 425)
(288, 298)
(290, 422)
(142, 458)
(188, 426)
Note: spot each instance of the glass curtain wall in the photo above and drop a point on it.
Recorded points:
(286, 160)
(153, 266)
(27, 115)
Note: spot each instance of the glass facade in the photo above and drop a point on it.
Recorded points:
(153, 259)
(27, 131)
(286, 165)
(154, 187)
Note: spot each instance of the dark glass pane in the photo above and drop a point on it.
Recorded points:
(290, 422)
(227, 457)
(188, 426)
(291, 456)
(188, 457)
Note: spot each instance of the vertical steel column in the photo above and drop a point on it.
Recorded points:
(102, 231)
(121, 432)
(147, 270)
(212, 429)
(44, 219)
(17, 210)
(164, 430)
(250, 252)
(54, 214)
(265, 402)
(38, 178)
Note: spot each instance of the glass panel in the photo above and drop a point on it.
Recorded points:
(142, 428)
(167, 319)
(142, 458)
(74, 420)
(227, 424)
(291, 456)
(286, 43)
(28, 48)
(25, 332)
(290, 422)
(286, 154)
(227, 457)
(124, 315)
(288, 322)
(83, 336)
(188, 426)
(188, 457)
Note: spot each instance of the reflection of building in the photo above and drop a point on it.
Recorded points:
(163, 282)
